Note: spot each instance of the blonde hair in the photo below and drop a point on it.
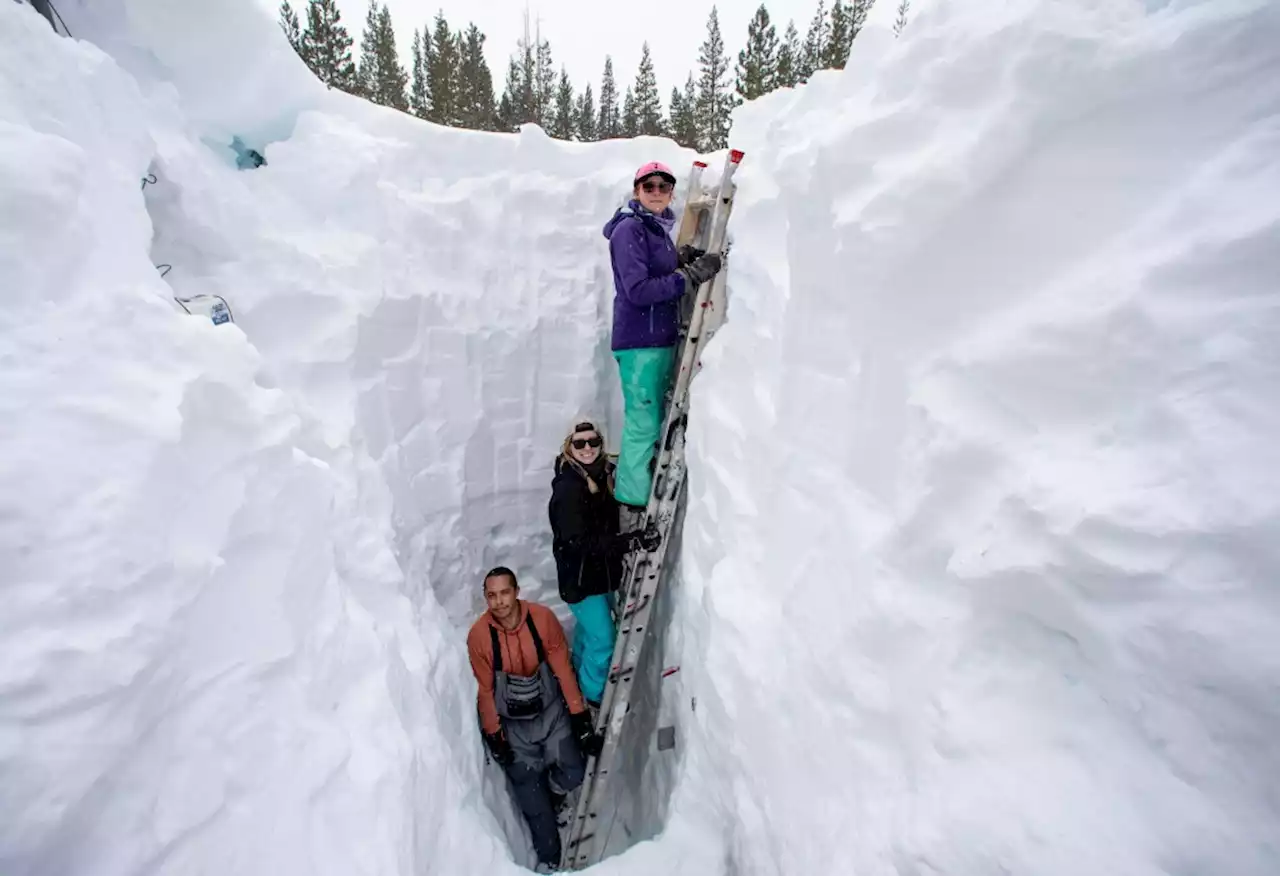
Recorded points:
(584, 424)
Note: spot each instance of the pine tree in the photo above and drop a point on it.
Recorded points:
(858, 15)
(677, 112)
(787, 74)
(326, 47)
(758, 62)
(847, 18)
(901, 23)
(545, 85)
(443, 74)
(394, 81)
(610, 122)
(506, 111)
(648, 105)
(292, 30)
(834, 53)
(691, 107)
(715, 101)
(584, 116)
(511, 113)
(812, 54)
(368, 70)
(562, 127)
(382, 79)
(475, 91)
(684, 122)
(630, 123)
(521, 93)
(418, 102)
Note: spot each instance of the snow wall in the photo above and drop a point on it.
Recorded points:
(983, 492)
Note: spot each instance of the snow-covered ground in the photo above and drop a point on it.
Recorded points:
(984, 480)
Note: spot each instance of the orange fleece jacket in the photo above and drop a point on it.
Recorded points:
(520, 657)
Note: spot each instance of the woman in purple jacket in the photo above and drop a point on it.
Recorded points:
(649, 277)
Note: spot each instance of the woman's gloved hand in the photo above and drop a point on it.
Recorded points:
(646, 539)
(701, 269)
(688, 253)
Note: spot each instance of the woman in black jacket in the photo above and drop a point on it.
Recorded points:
(589, 550)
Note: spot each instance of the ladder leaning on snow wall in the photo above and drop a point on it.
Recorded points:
(703, 224)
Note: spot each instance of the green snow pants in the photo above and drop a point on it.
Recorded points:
(593, 640)
(646, 375)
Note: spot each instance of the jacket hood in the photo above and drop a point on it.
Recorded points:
(663, 222)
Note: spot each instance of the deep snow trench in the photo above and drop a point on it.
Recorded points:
(977, 573)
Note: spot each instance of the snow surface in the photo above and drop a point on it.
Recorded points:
(983, 498)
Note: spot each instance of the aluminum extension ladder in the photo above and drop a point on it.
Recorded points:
(588, 832)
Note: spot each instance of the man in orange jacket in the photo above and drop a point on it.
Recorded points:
(532, 713)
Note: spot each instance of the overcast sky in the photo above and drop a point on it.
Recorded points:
(582, 32)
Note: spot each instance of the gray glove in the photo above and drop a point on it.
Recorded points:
(688, 253)
(701, 269)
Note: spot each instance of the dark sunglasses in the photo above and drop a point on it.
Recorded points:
(661, 186)
(579, 443)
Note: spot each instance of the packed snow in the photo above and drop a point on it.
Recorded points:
(983, 514)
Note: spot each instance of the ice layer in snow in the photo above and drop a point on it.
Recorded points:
(982, 518)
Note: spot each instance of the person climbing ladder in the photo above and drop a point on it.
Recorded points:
(588, 550)
(649, 276)
(601, 815)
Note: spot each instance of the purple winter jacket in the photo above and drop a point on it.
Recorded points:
(647, 289)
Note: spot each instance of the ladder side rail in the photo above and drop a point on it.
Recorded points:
(689, 349)
(691, 224)
(587, 823)
(626, 683)
(633, 624)
(645, 573)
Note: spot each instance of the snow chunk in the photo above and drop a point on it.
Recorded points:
(984, 498)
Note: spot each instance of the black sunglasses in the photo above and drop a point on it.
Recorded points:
(663, 186)
(579, 443)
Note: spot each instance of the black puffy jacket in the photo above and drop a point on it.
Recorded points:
(585, 539)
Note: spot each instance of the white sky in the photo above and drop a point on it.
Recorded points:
(582, 32)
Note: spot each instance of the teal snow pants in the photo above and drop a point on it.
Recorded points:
(592, 644)
(646, 375)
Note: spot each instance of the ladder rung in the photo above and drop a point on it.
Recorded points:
(708, 211)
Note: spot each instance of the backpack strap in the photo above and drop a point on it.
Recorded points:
(537, 640)
(497, 653)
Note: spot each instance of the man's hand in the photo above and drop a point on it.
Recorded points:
(499, 747)
(589, 742)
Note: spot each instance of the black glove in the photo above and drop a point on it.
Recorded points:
(499, 747)
(589, 741)
(701, 269)
(688, 253)
(646, 539)
(622, 544)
